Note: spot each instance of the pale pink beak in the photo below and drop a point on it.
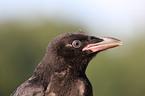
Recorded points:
(107, 43)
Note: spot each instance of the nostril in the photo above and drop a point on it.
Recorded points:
(95, 39)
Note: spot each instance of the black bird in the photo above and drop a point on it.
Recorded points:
(62, 70)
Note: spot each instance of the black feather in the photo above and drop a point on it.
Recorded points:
(62, 70)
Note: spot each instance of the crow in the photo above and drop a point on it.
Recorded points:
(62, 70)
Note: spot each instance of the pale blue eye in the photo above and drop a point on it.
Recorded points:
(76, 43)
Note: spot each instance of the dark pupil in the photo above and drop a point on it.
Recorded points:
(77, 43)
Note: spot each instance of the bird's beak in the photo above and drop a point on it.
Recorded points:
(107, 43)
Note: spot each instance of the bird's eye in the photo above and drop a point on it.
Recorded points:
(76, 43)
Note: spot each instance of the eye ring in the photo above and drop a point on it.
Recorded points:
(76, 43)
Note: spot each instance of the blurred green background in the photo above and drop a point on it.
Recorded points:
(26, 28)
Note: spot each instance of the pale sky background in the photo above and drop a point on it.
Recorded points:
(118, 17)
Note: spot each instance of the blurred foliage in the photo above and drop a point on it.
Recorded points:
(111, 73)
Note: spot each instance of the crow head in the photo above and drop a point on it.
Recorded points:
(77, 49)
